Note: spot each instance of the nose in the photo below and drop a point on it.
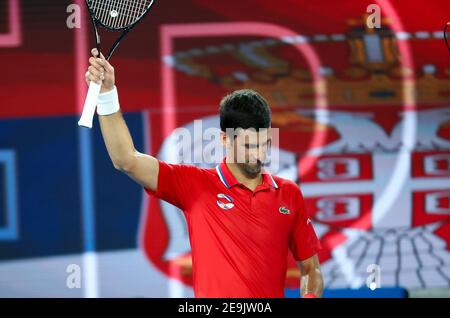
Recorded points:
(254, 155)
(263, 152)
(258, 154)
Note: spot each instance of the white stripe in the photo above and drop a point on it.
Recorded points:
(320, 38)
(292, 39)
(273, 181)
(423, 35)
(90, 275)
(403, 35)
(288, 39)
(338, 37)
(438, 34)
(220, 176)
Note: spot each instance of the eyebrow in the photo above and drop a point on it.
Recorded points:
(254, 145)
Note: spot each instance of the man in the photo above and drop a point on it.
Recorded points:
(242, 221)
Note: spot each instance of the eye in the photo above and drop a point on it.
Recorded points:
(251, 146)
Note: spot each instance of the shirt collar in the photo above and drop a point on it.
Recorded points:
(229, 180)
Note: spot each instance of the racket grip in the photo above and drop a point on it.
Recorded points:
(87, 116)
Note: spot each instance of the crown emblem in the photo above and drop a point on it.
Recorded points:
(368, 71)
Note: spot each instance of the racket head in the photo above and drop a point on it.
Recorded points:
(118, 15)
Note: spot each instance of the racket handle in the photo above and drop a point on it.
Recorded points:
(87, 116)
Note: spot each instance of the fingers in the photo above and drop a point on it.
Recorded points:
(96, 69)
(100, 62)
(91, 77)
(94, 52)
(97, 64)
(100, 70)
(108, 67)
(104, 62)
(96, 73)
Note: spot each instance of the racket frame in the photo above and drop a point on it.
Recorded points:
(125, 30)
(88, 113)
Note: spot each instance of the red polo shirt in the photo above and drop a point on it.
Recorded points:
(239, 238)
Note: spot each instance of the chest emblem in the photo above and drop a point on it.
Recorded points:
(284, 210)
(224, 201)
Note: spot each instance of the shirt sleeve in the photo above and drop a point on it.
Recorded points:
(175, 184)
(303, 241)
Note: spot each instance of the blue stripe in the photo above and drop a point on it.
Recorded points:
(11, 231)
(87, 189)
(227, 197)
(223, 177)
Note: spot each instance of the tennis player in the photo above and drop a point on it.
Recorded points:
(242, 221)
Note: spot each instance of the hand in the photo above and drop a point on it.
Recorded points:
(100, 71)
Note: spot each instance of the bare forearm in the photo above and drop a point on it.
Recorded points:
(117, 139)
(312, 282)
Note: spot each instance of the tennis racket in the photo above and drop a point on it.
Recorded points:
(112, 15)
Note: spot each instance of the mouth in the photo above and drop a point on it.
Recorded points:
(255, 164)
(253, 168)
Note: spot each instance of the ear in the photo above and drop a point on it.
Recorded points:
(268, 133)
(223, 138)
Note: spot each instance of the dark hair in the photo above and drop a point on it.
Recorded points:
(244, 109)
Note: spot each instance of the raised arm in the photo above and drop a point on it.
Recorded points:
(140, 167)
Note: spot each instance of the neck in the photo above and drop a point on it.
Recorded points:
(241, 177)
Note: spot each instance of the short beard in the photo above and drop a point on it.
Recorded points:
(251, 170)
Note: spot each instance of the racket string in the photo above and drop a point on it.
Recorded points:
(126, 11)
(104, 11)
(125, 18)
(108, 15)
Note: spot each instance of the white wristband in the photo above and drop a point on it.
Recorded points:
(108, 103)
